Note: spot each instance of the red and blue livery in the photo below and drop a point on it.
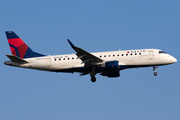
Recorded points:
(19, 48)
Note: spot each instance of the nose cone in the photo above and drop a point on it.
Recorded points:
(173, 60)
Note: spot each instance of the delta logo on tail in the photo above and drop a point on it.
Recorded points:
(18, 47)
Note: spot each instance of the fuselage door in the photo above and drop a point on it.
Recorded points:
(151, 55)
(48, 62)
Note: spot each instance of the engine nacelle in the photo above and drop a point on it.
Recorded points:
(111, 65)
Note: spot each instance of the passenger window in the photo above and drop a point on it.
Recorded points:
(54, 59)
(135, 53)
(64, 59)
(109, 55)
(73, 58)
(100, 56)
(104, 55)
(131, 54)
(113, 55)
(68, 58)
(122, 55)
(126, 54)
(139, 53)
(117, 54)
(59, 59)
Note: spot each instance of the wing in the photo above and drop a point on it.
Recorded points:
(85, 56)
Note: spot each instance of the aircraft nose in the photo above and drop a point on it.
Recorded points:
(173, 60)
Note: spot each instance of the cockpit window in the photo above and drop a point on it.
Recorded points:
(160, 52)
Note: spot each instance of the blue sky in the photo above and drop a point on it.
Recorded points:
(94, 26)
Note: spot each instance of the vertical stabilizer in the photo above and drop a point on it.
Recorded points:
(18, 46)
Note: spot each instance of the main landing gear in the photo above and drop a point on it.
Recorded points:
(92, 74)
(154, 69)
(93, 78)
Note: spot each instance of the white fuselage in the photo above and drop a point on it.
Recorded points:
(106, 64)
(126, 59)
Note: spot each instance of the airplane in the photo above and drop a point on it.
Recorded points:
(107, 64)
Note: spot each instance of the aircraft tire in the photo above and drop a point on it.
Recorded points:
(93, 79)
(155, 73)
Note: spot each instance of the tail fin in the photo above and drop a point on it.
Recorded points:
(18, 46)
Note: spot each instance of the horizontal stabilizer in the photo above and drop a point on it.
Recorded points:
(16, 59)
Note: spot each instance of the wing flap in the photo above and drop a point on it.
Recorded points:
(84, 73)
(111, 73)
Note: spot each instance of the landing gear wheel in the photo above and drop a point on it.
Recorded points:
(154, 69)
(93, 79)
(155, 73)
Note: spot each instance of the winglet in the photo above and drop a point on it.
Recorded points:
(71, 43)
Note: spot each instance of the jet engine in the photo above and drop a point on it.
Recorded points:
(111, 65)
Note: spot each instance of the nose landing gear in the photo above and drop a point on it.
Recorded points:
(155, 73)
(154, 69)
